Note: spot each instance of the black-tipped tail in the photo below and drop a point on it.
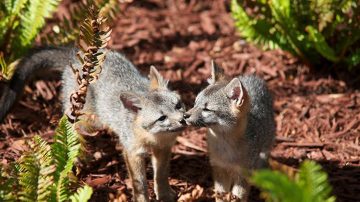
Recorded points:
(39, 60)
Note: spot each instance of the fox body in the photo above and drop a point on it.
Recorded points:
(241, 128)
(143, 112)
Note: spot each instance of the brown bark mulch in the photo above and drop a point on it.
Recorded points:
(317, 108)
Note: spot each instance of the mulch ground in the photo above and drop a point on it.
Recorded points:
(317, 108)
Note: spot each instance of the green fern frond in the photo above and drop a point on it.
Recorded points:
(65, 149)
(354, 59)
(12, 10)
(321, 45)
(314, 183)
(83, 194)
(310, 184)
(32, 20)
(36, 168)
(259, 31)
(8, 183)
(277, 186)
(68, 30)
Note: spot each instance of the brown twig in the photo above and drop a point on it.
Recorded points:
(94, 35)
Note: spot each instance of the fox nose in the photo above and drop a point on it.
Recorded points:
(183, 122)
(186, 116)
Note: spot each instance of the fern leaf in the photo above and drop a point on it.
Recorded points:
(65, 149)
(36, 170)
(7, 23)
(260, 31)
(277, 186)
(354, 59)
(83, 194)
(68, 31)
(9, 183)
(32, 21)
(320, 44)
(314, 183)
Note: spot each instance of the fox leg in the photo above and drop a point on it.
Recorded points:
(160, 160)
(240, 189)
(222, 182)
(136, 168)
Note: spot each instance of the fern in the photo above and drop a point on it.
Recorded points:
(313, 30)
(20, 23)
(310, 184)
(36, 170)
(82, 194)
(42, 173)
(32, 21)
(65, 150)
(314, 183)
(67, 30)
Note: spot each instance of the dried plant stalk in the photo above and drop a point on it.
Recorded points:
(94, 36)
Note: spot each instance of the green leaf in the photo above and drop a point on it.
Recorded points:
(321, 45)
(258, 31)
(314, 183)
(36, 168)
(277, 186)
(32, 20)
(82, 195)
(354, 59)
(65, 149)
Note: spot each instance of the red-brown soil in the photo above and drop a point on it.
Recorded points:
(317, 108)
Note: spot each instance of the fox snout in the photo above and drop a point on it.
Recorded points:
(193, 117)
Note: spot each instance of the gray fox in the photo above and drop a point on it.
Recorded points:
(241, 128)
(143, 112)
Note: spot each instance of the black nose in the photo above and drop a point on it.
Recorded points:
(183, 122)
(186, 116)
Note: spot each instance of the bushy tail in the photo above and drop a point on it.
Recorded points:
(39, 60)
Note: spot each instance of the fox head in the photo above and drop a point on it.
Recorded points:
(159, 111)
(221, 104)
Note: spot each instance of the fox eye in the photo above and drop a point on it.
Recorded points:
(162, 118)
(178, 106)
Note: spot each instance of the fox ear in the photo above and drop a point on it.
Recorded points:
(217, 73)
(235, 91)
(156, 80)
(131, 101)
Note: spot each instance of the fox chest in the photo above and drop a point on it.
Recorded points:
(226, 152)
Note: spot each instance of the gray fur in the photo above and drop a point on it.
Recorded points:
(238, 141)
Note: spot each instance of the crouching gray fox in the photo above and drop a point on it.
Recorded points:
(144, 113)
(241, 128)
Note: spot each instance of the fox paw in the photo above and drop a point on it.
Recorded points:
(167, 196)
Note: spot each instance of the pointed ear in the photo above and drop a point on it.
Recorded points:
(235, 91)
(131, 101)
(217, 73)
(156, 80)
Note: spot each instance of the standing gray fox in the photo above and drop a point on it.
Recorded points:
(144, 113)
(241, 128)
